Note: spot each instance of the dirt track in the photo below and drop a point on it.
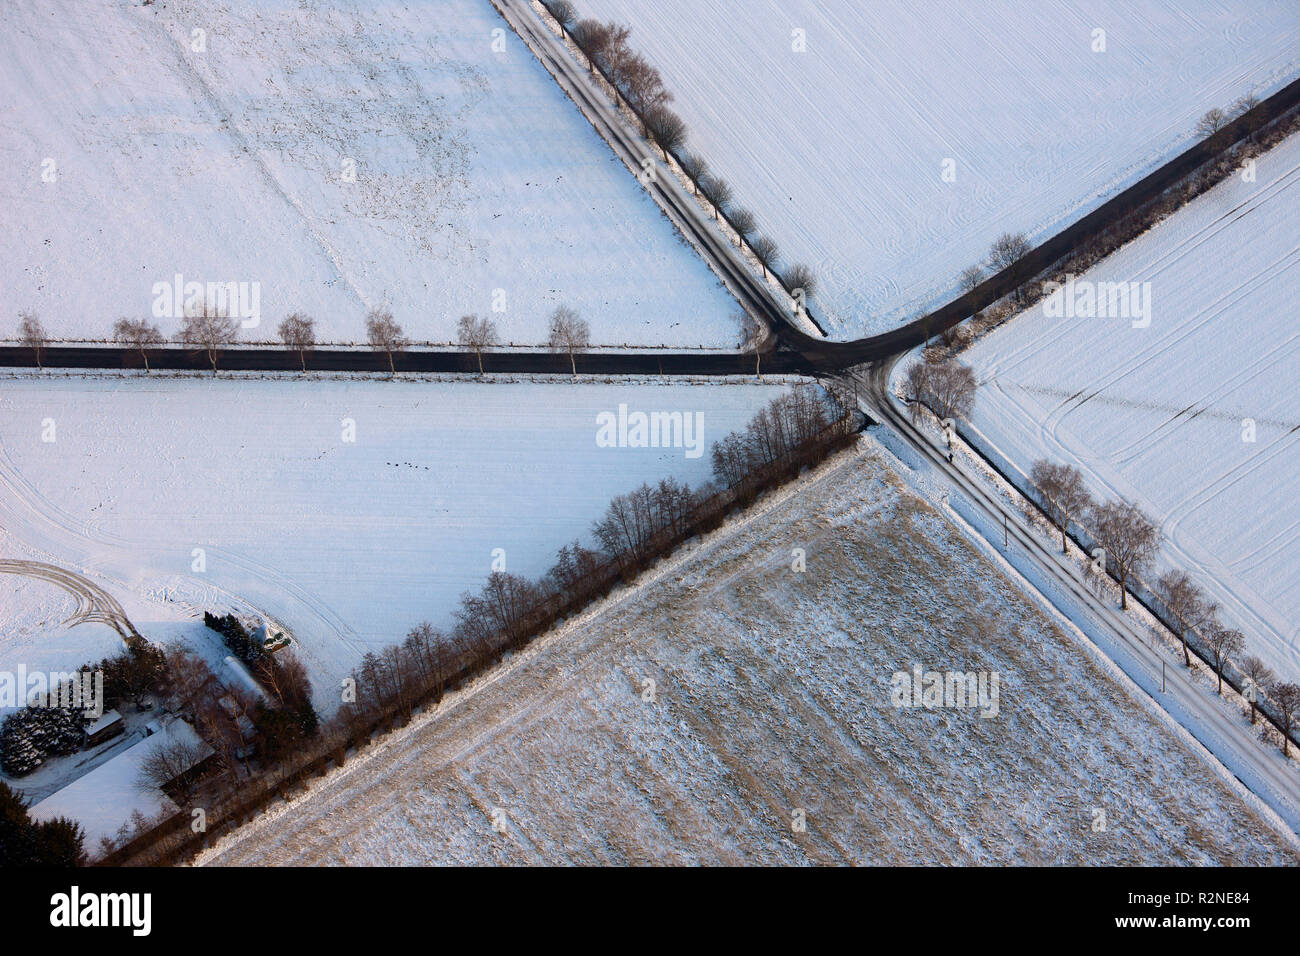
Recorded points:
(94, 604)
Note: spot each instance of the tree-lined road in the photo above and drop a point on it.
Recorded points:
(631, 362)
(1220, 729)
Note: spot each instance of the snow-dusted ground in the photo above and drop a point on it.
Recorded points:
(840, 150)
(1157, 415)
(346, 543)
(771, 700)
(477, 182)
(35, 628)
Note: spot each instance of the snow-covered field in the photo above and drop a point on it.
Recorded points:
(347, 511)
(1194, 417)
(840, 150)
(342, 154)
(771, 704)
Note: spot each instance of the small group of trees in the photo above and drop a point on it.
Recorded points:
(27, 843)
(777, 435)
(205, 328)
(1130, 541)
(1215, 119)
(286, 717)
(945, 385)
(393, 680)
(32, 734)
(633, 522)
(50, 726)
(1126, 535)
(638, 81)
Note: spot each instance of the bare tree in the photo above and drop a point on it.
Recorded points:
(918, 385)
(139, 334)
(695, 167)
(569, 333)
(753, 333)
(643, 88)
(970, 278)
(385, 335)
(187, 679)
(742, 220)
(1008, 249)
(298, 333)
(765, 251)
(605, 45)
(1211, 122)
(717, 192)
(225, 721)
(1259, 675)
(1186, 604)
(1064, 496)
(1244, 104)
(1224, 643)
(172, 762)
(591, 37)
(1286, 701)
(563, 12)
(31, 333)
(800, 276)
(207, 328)
(666, 128)
(1128, 537)
(477, 334)
(285, 677)
(951, 392)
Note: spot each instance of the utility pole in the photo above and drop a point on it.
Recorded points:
(1162, 677)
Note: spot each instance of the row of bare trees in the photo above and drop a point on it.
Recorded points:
(636, 527)
(1130, 540)
(609, 53)
(211, 331)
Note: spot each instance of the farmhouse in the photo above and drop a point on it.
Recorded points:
(105, 799)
